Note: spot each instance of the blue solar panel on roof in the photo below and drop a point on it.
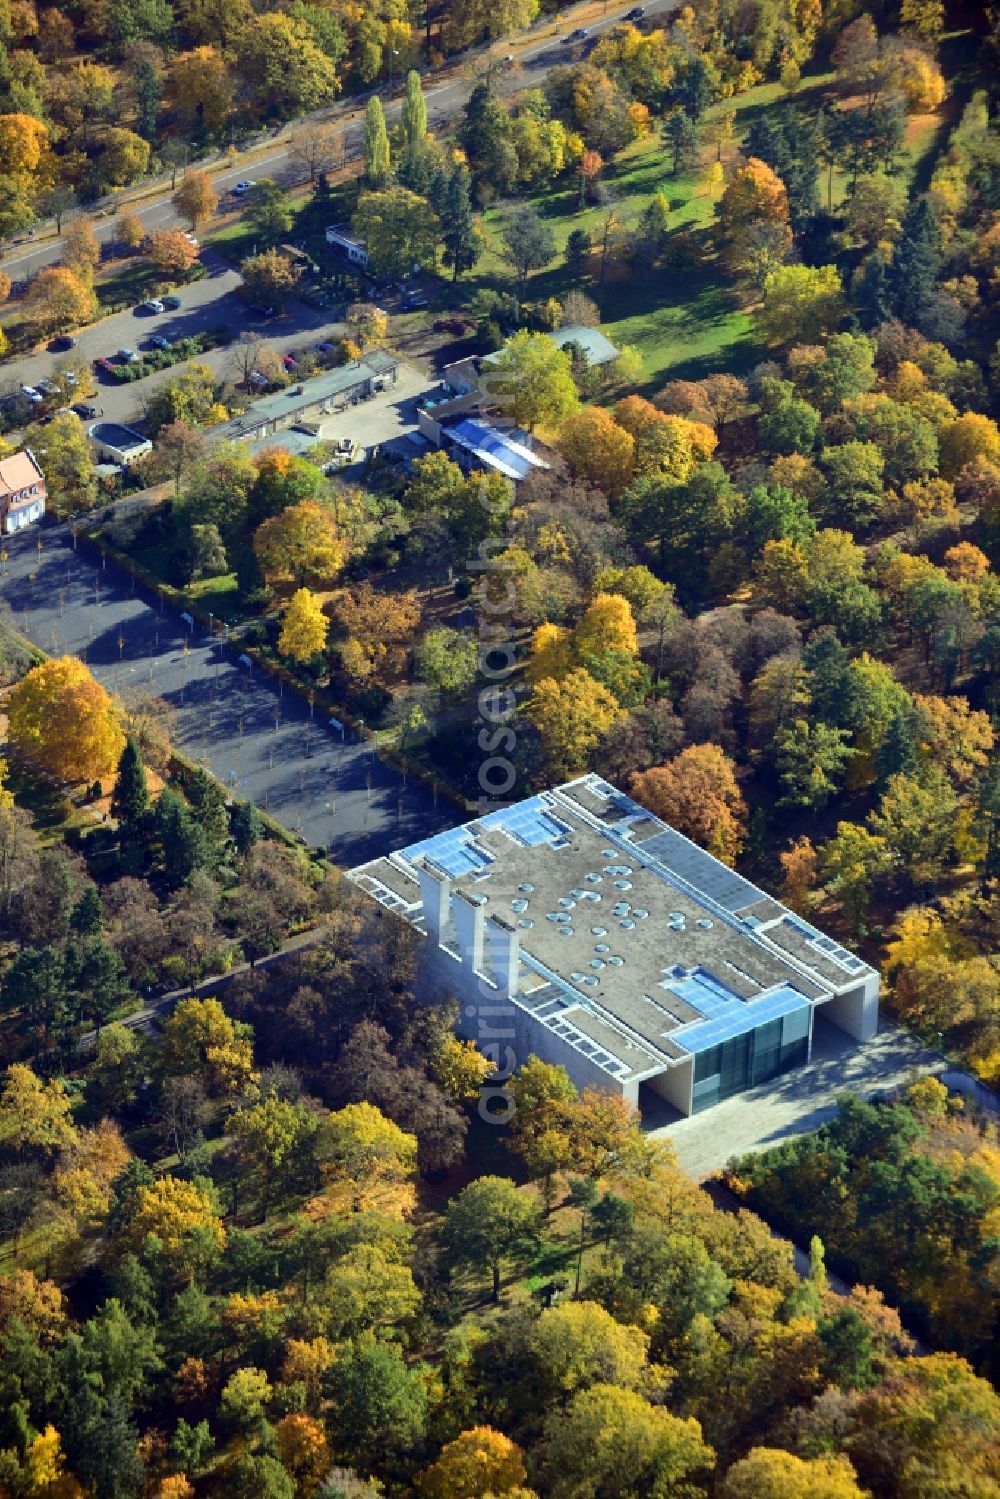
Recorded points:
(740, 1019)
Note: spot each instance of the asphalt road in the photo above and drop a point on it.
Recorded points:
(532, 61)
(206, 304)
(258, 741)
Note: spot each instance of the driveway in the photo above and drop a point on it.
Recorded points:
(258, 740)
(801, 1100)
(206, 304)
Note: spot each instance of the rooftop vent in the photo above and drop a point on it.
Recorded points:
(639, 913)
(616, 962)
(518, 906)
(627, 924)
(599, 931)
(602, 947)
(594, 878)
(705, 924)
(527, 923)
(526, 889)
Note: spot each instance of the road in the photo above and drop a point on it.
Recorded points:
(205, 304)
(258, 740)
(533, 59)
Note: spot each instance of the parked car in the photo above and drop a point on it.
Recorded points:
(153, 304)
(157, 341)
(47, 387)
(104, 366)
(31, 394)
(171, 303)
(243, 187)
(69, 376)
(637, 13)
(62, 341)
(579, 35)
(324, 347)
(85, 410)
(127, 356)
(289, 361)
(413, 300)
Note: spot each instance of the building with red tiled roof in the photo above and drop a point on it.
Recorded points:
(22, 491)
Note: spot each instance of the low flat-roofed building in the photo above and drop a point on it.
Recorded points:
(320, 395)
(118, 444)
(339, 236)
(22, 491)
(616, 947)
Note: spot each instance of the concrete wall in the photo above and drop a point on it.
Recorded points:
(856, 1010)
(676, 1085)
(502, 1030)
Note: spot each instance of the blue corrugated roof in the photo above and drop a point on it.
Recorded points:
(496, 449)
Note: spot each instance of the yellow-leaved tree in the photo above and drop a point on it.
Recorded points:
(182, 1216)
(479, 1461)
(302, 543)
(367, 1163)
(304, 628)
(571, 716)
(61, 719)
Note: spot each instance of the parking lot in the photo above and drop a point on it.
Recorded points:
(260, 741)
(210, 303)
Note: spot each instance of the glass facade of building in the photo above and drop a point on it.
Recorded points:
(756, 1056)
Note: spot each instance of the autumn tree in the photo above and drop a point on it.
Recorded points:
(61, 719)
(572, 716)
(129, 230)
(318, 146)
(304, 627)
(399, 228)
(801, 302)
(34, 1115)
(478, 1462)
(697, 793)
(301, 543)
(273, 1135)
(81, 248)
(182, 1217)
(67, 459)
(268, 279)
(770, 1473)
(196, 199)
(171, 252)
(59, 298)
(200, 1039)
(650, 1451)
(598, 449)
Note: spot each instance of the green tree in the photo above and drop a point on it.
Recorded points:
(246, 825)
(769, 1473)
(381, 1404)
(180, 836)
(399, 228)
(273, 1135)
(811, 759)
(854, 494)
(489, 1222)
(916, 819)
(130, 798)
(851, 863)
(528, 244)
(533, 378)
(268, 212)
(460, 236)
(916, 262)
(376, 145)
(414, 115)
(62, 449)
(448, 659)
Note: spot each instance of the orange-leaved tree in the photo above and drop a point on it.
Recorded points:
(61, 719)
